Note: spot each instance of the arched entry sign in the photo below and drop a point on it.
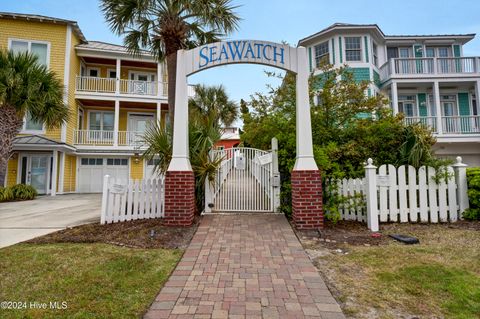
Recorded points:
(306, 182)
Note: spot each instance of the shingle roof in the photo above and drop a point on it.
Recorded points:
(40, 18)
(104, 46)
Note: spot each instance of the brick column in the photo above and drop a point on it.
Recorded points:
(307, 210)
(179, 198)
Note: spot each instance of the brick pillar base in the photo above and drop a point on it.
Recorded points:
(179, 198)
(307, 210)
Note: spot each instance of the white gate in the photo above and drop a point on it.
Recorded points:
(246, 181)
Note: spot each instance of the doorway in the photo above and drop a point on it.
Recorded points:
(36, 171)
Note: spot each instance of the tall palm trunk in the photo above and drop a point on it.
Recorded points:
(10, 125)
(172, 81)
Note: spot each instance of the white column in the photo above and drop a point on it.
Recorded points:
(462, 187)
(305, 160)
(115, 123)
(159, 113)
(208, 196)
(180, 157)
(436, 102)
(394, 90)
(103, 211)
(275, 176)
(477, 93)
(61, 172)
(53, 191)
(159, 80)
(371, 195)
(117, 73)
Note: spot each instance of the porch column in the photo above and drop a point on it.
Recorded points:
(53, 191)
(117, 73)
(159, 112)
(179, 179)
(307, 210)
(159, 80)
(438, 109)
(477, 93)
(394, 92)
(61, 172)
(115, 123)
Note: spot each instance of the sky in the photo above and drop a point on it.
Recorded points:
(285, 20)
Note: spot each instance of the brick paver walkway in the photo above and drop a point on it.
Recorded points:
(245, 266)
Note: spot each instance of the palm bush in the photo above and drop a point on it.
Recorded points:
(6, 194)
(24, 192)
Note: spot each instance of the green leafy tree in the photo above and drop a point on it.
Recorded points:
(165, 26)
(26, 88)
(348, 126)
(213, 101)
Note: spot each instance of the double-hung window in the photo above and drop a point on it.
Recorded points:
(375, 54)
(38, 48)
(101, 121)
(353, 49)
(321, 53)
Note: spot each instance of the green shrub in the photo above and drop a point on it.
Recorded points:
(24, 192)
(6, 194)
(473, 180)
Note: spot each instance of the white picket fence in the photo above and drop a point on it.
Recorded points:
(403, 194)
(137, 199)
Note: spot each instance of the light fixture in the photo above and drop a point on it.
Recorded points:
(136, 158)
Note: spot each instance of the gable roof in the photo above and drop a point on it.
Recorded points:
(40, 18)
(105, 46)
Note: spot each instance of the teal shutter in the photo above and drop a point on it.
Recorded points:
(422, 104)
(464, 111)
(310, 58)
(333, 50)
(340, 46)
(418, 51)
(456, 53)
(366, 48)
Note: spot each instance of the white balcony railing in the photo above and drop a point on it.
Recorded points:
(461, 124)
(130, 87)
(429, 121)
(106, 138)
(429, 66)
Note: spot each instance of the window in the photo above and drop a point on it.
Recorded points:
(321, 53)
(353, 51)
(112, 74)
(92, 161)
(93, 72)
(40, 49)
(155, 161)
(407, 105)
(392, 52)
(30, 125)
(375, 54)
(80, 119)
(220, 147)
(117, 161)
(101, 121)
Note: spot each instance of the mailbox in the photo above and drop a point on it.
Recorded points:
(276, 180)
(239, 161)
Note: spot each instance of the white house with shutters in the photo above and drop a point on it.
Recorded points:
(426, 77)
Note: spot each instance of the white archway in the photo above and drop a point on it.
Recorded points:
(254, 52)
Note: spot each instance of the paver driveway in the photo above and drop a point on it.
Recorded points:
(245, 266)
(25, 220)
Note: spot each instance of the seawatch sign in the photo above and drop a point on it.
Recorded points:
(243, 51)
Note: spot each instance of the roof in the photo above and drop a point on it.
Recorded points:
(40, 18)
(375, 27)
(104, 46)
(35, 139)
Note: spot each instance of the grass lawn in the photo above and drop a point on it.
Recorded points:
(439, 278)
(95, 280)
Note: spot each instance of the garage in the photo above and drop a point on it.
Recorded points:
(91, 171)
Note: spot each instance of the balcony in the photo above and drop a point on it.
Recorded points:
(108, 138)
(430, 67)
(97, 85)
(450, 125)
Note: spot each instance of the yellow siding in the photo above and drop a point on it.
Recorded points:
(136, 170)
(74, 71)
(12, 172)
(70, 173)
(40, 31)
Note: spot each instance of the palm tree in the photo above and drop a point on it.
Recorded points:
(214, 100)
(26, 87)
(165, 26)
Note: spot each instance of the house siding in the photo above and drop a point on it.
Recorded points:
(136, 169)
(12, 169)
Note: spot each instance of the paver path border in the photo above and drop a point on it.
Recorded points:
(245, 266)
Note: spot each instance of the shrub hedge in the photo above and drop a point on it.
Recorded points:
(473, 180)
(17, 192)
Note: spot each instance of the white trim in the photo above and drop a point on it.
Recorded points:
(136, 73)
(29, 43)
(145, 114)
(34, 132)
(101, 111)
(19, 168)
(66, 78)
(61, 173)
(99, 75)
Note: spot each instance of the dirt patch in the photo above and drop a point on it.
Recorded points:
(146, 233)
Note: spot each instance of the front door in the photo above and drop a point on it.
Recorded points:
(137, 125)
(35, 171)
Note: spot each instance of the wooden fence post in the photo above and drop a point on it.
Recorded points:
(462, 187)
(371, 195)
(104, 199)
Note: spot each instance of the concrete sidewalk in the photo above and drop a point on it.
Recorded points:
(20, 221)
(245, 266)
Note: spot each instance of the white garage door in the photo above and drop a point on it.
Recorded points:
(150, 169)
(92, 170)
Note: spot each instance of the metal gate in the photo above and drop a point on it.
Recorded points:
(246, 181)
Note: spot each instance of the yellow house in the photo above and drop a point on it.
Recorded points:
(112, 95)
